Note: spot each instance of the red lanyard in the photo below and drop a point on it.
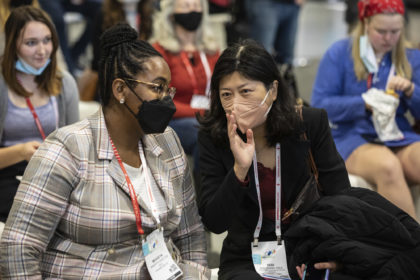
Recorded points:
(133, 197)
(37, 122)
(369, 81)
(190, 71)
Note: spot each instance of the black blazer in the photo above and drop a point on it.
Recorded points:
(225, 204)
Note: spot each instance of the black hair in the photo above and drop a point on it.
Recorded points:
(122, 55)
(252, 61)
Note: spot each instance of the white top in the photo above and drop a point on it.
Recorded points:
(138, 180)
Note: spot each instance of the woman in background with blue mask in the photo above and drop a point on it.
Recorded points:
(369, 126)
(35, 97)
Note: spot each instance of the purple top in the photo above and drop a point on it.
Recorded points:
(20, 127)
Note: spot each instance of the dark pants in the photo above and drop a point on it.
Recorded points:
(8, 187)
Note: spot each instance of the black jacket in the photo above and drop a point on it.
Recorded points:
(226, 205)
(368, 235)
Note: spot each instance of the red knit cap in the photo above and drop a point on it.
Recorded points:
(368, 8)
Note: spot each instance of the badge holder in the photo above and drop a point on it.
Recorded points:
(159, 261)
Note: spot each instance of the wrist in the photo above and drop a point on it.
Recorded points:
(21, 151)
(240, 172)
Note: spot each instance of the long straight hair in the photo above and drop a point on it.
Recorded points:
(399, 57)
(49, 81)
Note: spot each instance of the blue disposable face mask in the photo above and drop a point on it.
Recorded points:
(24, 67)
(367, 54)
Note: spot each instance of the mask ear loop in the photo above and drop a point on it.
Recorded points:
(131, 111)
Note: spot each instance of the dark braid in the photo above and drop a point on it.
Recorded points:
(122, 56)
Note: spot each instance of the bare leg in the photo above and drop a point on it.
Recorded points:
(410, 160)
(380, 166)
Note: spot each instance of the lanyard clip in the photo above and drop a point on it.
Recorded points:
(279, 241)
(255, 243)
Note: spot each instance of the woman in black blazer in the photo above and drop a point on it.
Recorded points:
(251, 112)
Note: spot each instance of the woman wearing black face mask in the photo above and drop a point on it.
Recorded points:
(181, 34)
(106, 190)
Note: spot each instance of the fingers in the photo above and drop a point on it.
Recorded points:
(300, 270)
(399, 83)
(326, 265)
(36, 144)
(249, 137)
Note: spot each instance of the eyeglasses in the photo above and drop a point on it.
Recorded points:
(160, 89)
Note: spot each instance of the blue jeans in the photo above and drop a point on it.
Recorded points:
(274, 25)
(187, 130)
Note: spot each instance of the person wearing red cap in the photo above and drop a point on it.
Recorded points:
(375, 58)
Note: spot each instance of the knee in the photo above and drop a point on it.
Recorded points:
(389, 170)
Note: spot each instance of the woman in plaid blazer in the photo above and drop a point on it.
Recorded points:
(72, 217)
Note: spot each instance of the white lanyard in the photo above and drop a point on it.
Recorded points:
(153, 205)
(206, 66)
(278, 197)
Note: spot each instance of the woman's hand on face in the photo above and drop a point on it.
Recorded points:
(242, 152)
(332, 266)
(28, 149)
(399, 83)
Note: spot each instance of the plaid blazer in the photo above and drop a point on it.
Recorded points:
(72, 216)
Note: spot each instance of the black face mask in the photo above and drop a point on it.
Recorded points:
(154, 115)
(18, 3)
(190, 21)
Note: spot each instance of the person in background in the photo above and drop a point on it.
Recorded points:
(111, 13)
(274, 24)
(35, 97)
(249, 143)
(184, 38)
(56, 9)
(110, 196)
(374, 136)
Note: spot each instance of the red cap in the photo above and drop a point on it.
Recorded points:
(368, 8)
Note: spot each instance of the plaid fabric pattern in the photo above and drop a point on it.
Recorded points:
(72, 216)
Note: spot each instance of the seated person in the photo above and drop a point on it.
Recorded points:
(35, 96)
(251, 152)
(107, 196)
(181, 34)
(369, 127)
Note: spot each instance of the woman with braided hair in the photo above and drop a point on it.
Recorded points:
(111, 196)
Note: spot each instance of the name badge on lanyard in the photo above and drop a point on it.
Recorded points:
(159, 261)
(198, 101)
(269, 257)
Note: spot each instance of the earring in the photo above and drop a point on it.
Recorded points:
(122, 100)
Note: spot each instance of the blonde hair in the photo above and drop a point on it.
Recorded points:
(164, 32)
(5, 11)
(399, 57)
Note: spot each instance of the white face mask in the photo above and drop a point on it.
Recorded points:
(367, 54)
(251, 113)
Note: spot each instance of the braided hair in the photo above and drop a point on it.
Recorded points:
(122, 55)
